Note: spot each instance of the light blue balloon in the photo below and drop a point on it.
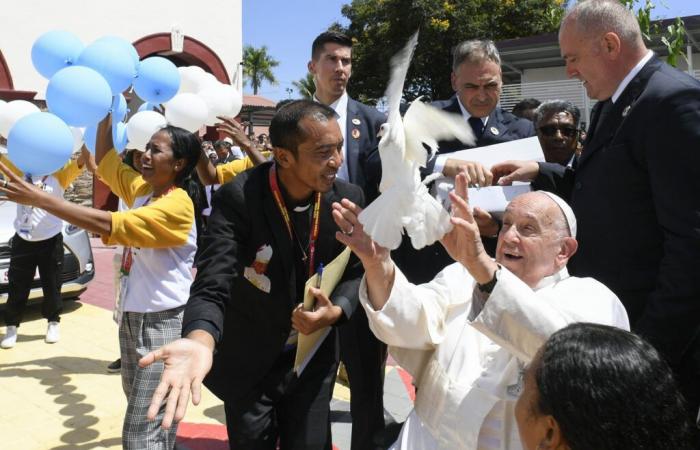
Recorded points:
(119, 137)
(157, 81)
(90, 138)
(112, 61)
(78, 95)
(119, 108)
(123, 43)
(39, 144)
(54, 51)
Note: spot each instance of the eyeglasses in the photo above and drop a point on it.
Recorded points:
(551, 130)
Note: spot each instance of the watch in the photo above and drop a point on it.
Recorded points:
(487, 287)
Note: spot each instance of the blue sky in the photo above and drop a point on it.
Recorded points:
(288, 28)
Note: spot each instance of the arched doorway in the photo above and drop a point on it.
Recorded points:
(194, 53)
(7, 87)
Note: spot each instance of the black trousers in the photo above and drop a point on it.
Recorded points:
(294, 410)
(25, 257)
(364, 357)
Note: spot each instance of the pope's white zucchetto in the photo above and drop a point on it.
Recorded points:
(566, 209)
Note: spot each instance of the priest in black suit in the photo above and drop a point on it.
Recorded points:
(270, 228)
(362, 353)
(635, 188)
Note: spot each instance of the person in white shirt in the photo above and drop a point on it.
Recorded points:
(467, 335)
(37, 246)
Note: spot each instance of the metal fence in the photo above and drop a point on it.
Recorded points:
(571, 90)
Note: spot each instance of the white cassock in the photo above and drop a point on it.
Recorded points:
(467, 355)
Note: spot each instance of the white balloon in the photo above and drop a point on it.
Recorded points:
(77, 138)
(189, 78)
(12, 112)
(187, 110)
(216, 99)
(206, 80)
(235, 100)
(222, 100)
(142, 126)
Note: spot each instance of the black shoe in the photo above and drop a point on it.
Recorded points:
(115, 366)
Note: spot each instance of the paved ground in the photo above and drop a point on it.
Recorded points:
(61, 397)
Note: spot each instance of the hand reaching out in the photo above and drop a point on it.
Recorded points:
(187, 361)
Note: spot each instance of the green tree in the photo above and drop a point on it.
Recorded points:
(257, 67)
(379, 28)
(305, 86)
(673, 37)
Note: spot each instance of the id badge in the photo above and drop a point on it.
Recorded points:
(25, 223)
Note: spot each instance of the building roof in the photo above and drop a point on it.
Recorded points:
(542, 50)
(257, 100)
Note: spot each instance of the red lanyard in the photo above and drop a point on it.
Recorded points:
(315, 222)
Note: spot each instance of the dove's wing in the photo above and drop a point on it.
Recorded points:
(425, 124)
(399, 68)
(428, 221)
(383, 219)
(393, 142)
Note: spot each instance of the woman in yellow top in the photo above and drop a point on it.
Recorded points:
(159, 233)
(211, 174)
(38, 244)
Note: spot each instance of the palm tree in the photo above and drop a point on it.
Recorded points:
(306, 86)
(257, 67)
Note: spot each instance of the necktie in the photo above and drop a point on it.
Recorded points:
(477, 126)
(602, 114)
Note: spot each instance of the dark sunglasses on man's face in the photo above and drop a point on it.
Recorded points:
(551, 130)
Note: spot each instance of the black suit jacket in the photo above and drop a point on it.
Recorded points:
(502, 126)
(636, 194)
(362, 127)
(251, 325)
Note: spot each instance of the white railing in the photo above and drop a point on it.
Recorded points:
(571, 90)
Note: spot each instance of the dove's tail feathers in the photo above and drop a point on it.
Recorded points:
(432, 177)
(429, 221)
(399, 67)
(425, 124)
(382, 219)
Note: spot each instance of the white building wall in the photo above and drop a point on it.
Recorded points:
(559, 73)
(544, 74)
(215, 23)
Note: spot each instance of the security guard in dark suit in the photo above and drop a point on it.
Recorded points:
(635, 187)
(476, 80)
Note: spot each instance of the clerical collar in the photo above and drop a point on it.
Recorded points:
(294, 205)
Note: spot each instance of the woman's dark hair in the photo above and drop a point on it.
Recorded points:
(187, 146)
(608, 389)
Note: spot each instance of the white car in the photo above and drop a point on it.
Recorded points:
(78, 264)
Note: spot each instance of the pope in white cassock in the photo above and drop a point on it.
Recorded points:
(467, 335)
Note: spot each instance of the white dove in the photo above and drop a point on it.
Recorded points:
(404, 201)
